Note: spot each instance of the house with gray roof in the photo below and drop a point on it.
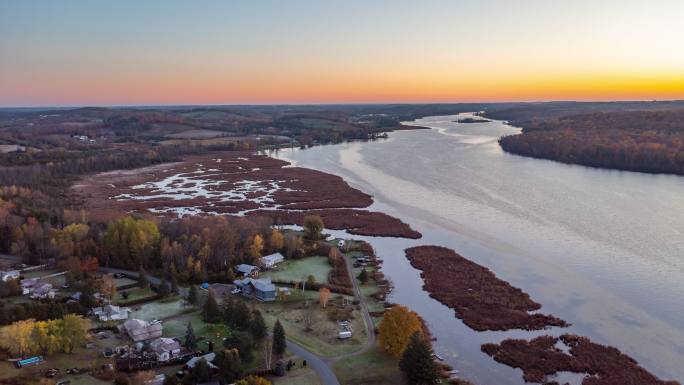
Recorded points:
(262, 289)
(270, 261)
(247, 270)
(140, 330)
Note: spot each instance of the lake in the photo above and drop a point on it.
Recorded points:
(602, 249)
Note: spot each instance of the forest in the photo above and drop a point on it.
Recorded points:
(644, 141)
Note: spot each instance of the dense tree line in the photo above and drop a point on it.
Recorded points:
(645, 141)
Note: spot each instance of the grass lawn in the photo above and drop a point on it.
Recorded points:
(123, 281)
(298, 269)
(81, 358)
(298, 376)
(370, 368)
(39, 273)
(159, 309)
(134, 294)
(322, 339)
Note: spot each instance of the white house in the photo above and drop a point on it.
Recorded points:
(6, 275)
(43, 290)
(140, 330)
(111, 313)
(165, 348)
(270, 261)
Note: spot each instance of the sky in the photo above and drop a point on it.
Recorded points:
(133, 52)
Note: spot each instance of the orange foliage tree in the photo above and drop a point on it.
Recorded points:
(396, 328)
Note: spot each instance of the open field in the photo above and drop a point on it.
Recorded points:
(298, 376)
(160, 309)
(370, 368)
(298, 269)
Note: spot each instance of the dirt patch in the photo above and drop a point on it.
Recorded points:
(239, 183)
(478, 297)
(542, 357)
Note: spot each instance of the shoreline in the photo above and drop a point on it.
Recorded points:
(365, 184)
(299, 202)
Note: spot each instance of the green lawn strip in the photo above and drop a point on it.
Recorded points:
(159, 309)
(123, 281)
(299, 269)
(370, 368)
(298, 376)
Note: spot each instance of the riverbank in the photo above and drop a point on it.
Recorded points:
(544, 227)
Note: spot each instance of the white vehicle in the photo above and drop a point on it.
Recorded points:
(344, 334)
(236, 291)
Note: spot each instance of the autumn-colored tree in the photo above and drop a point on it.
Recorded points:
(130, 242)
(257, 246)
(293, 245)
(107, 286)
(313, 225)
(323, 296)
(16, 338)
(74, 332)
(276, 241)
(253, 380)
(396, 328)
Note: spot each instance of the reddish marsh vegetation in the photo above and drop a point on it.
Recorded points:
(541, 357)
(243, 183)
(479, 298)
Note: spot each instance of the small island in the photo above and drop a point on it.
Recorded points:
(472, 120)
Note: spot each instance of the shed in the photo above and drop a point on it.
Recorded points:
(270, 261)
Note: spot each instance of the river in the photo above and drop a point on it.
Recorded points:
(602, 249)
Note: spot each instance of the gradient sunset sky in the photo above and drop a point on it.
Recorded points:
(125, 52)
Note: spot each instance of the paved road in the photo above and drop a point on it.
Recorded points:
(316, 363)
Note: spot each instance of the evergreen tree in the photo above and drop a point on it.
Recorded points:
(363, 276)
(193, 296)
(163, 290)
(228, 310)
(174, 285)
(143, 281)
(242, 342)
(258, 326)
(171, 380)
(279, 344)
(242, 317)
(201, 372)
(230, 365)
(417, 363)
(190, 339)
(210, 312)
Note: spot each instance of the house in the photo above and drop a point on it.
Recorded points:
(27, 285)
(6, 275)
(247, 270)
(111, 313)
(209, 357)
(270, 261)
(165, 348)
(43, 290)
(262, 289)
(140, 330)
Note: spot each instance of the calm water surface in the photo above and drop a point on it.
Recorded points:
(601, 249)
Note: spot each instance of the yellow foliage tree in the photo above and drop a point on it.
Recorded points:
(276, 241)
(257, 246)
(16, 338)
(107, 286)
(253, 380)
(396, 328)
